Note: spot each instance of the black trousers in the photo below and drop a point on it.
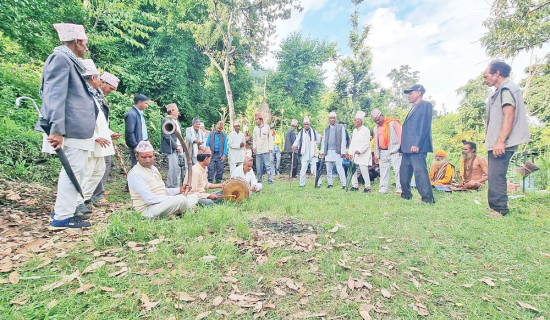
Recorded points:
(215, 168)
(497, 193)
(415, 163)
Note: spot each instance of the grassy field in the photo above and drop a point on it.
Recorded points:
(301, 253)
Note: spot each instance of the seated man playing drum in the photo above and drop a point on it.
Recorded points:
(199, 183)
(149, 193)
(245, 172)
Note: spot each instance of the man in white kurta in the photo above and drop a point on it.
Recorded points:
(333, 149)
(195, 138)
(149, 193)
(103, 146)
(307, 145)
(246, 172)
(235, 145)
(360, 152)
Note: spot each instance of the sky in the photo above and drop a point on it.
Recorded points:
(438, 38)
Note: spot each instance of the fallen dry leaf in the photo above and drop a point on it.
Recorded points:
(65, 280)
(183, 296)
(467, 285)
(110, 259)
(421, 309)
(20, 301)
(364, 311)
(123, 271)
(107, 289)
(217, 301)
(384, 274)
(154, 242)
(149, 305)
(202, 296)
(386, 293)
(351, 283)
(309, 315)
(488, 281)
(6, 265)
(208, 258)
(94, 266)
(279, 292)
(14, 277)
(52, 304)
(289, 283)
(527, 306)
(132, 244)
(203, 315)
(84, 288)
(333, 230)
(344, 293)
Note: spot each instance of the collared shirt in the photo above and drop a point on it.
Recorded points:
(143, 126)
(217, 143)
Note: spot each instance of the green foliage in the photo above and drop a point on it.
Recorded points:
(402, 79)
(515, 26)
(472, 104)
(537, 98)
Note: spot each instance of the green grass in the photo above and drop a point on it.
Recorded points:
(452, 243)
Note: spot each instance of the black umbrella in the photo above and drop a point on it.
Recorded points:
(46, 126)
(319, 171)
(351, 170)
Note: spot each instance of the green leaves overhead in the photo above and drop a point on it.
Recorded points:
(515, 26)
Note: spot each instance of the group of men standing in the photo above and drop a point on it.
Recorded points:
(74, 104)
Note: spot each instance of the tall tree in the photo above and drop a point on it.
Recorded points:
(354, 72)
(237, 29)
(515, 26)
(299, 75)
(537, 98)
(401, 79)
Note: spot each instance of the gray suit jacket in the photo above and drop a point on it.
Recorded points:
(66, 102)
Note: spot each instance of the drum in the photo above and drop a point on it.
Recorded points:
(236, 190)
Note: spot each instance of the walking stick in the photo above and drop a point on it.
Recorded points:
(291, 168)
(120, 158)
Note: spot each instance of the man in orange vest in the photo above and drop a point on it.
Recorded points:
(387, 140)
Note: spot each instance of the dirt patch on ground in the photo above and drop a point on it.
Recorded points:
(286, 226)
(25, 231)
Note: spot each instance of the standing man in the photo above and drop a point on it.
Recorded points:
(289, 141)
(235, 144)
(473, 171)
(195, 138)
(109, 84)
(387, 140)
(333, 148)
(217, 142)
(507, 127)
(103, 146)
(172, 147)
(306, 145)
(416, 142)
(360, 152)
(262, 146)
(136, 130)
(276, 155)
(69, 108)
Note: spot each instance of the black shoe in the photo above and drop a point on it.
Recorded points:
(81, 217)
(81, 208)
(366, 190)
(353, 189)
(96, 203)
(329, 186)
(302, 186)
(126, 189)
(343, 187)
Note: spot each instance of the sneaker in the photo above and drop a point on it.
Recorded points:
(329, 186)
(81, 208)
(70, 223)
(366, 190)
(353, 189)
(76, 216)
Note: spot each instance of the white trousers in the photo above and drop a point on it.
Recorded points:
(365, 173)
(95, 169)
(339, 169)
(233, 163)
(65, 202)
(174, 171)
(388, 161)
(174, 204)
(312, 162)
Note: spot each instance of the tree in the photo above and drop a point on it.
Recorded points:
(236, 29)
(515, 26)
(402, 79)
(299, 75)
(472, 108)
(354, 73)
(537, 98)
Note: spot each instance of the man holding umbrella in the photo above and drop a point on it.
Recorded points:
(69, 108)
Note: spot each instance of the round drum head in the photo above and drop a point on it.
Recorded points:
(236, 189)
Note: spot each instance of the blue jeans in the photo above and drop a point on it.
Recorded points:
(415, 163)
(497, 192)
(263, 159)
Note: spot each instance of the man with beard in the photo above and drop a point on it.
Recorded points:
(473, 170)
(441, 171)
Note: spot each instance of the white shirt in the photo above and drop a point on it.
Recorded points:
(234, 140)
(250, 177)
(360, 141)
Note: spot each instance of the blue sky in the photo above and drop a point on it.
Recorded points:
(439, 38)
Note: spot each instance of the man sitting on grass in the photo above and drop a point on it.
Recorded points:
(473, 170)
(245, 171)
(441, 171)
(149, 193)
(199, 182)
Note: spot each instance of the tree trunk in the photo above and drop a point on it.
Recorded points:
(229, 95)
